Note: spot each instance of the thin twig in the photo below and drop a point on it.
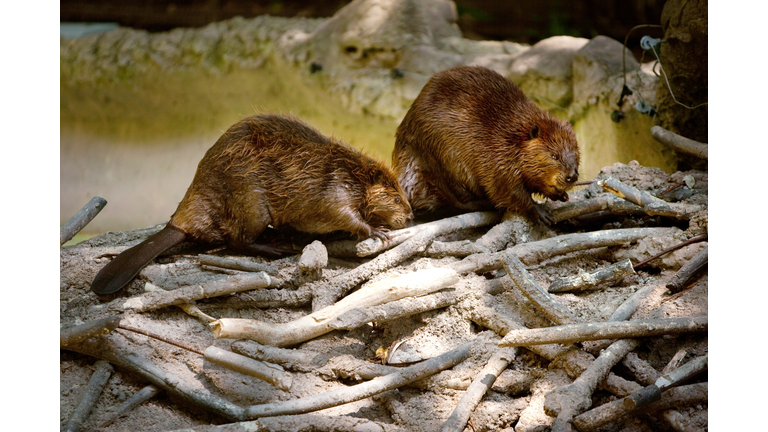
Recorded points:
(672, 249)
(132, 402)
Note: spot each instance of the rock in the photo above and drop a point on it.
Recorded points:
(592, 67)
(544, 71)
(684, 59)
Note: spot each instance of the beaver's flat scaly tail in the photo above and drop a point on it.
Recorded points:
(121, 270)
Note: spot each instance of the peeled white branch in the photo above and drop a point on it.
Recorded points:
(469, 220)
(327, 293)
(318, 323)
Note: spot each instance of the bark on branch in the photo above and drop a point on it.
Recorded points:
(680, 143)
(604, 330)
(364, 390)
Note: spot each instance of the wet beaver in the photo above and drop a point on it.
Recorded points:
(278, 171)
(472, 140)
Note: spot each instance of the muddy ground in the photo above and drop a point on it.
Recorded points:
(514, 403)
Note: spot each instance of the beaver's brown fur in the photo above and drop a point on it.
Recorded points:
(473, 140)
(278, 171)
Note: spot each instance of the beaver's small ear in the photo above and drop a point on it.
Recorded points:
(535, 131)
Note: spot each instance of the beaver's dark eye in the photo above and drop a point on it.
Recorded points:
(554, 156)
(397, 200)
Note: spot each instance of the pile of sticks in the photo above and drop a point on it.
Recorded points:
(262, 349)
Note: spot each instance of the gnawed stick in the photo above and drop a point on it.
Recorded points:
(610, 204)
(653, 392)
(614, 411)
(544, 302)
(480, 385)
(535, 252)
(512, 229)
(76, 334)
(300, 423)
(394, 310)
(364, 390)
(95, 386)
(651, 205)
(132, 402)
(604, 330)
(119, 352)
(470, 220)
(236, 263)
(680, 143)
(232, 284)
(585, 280)
(688, 271)
(263, 371)
(301, 361)
(81, 219)
(329, 292)
(318, 323)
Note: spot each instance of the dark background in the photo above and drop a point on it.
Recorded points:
(518, 21)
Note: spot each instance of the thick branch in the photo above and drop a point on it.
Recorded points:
(92, 392)
(535, 252)
(680, 143)
(100, 327)
(319, 323)
(614, 411)
(469, 220)
(585, 280)
(121, 353)
(330, 291)
(81, 219)
(480, 385)
(604, 330)
(544, 302)
(689, 271)
(236, 263)
(364, 390)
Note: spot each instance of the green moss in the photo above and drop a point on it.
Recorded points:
(156, 106)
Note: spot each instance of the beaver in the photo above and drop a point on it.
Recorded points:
(472, 140)
(271, 170)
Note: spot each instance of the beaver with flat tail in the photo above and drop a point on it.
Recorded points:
(278, 171)
(472, 140)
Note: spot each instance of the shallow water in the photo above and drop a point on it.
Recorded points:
(137, 142)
